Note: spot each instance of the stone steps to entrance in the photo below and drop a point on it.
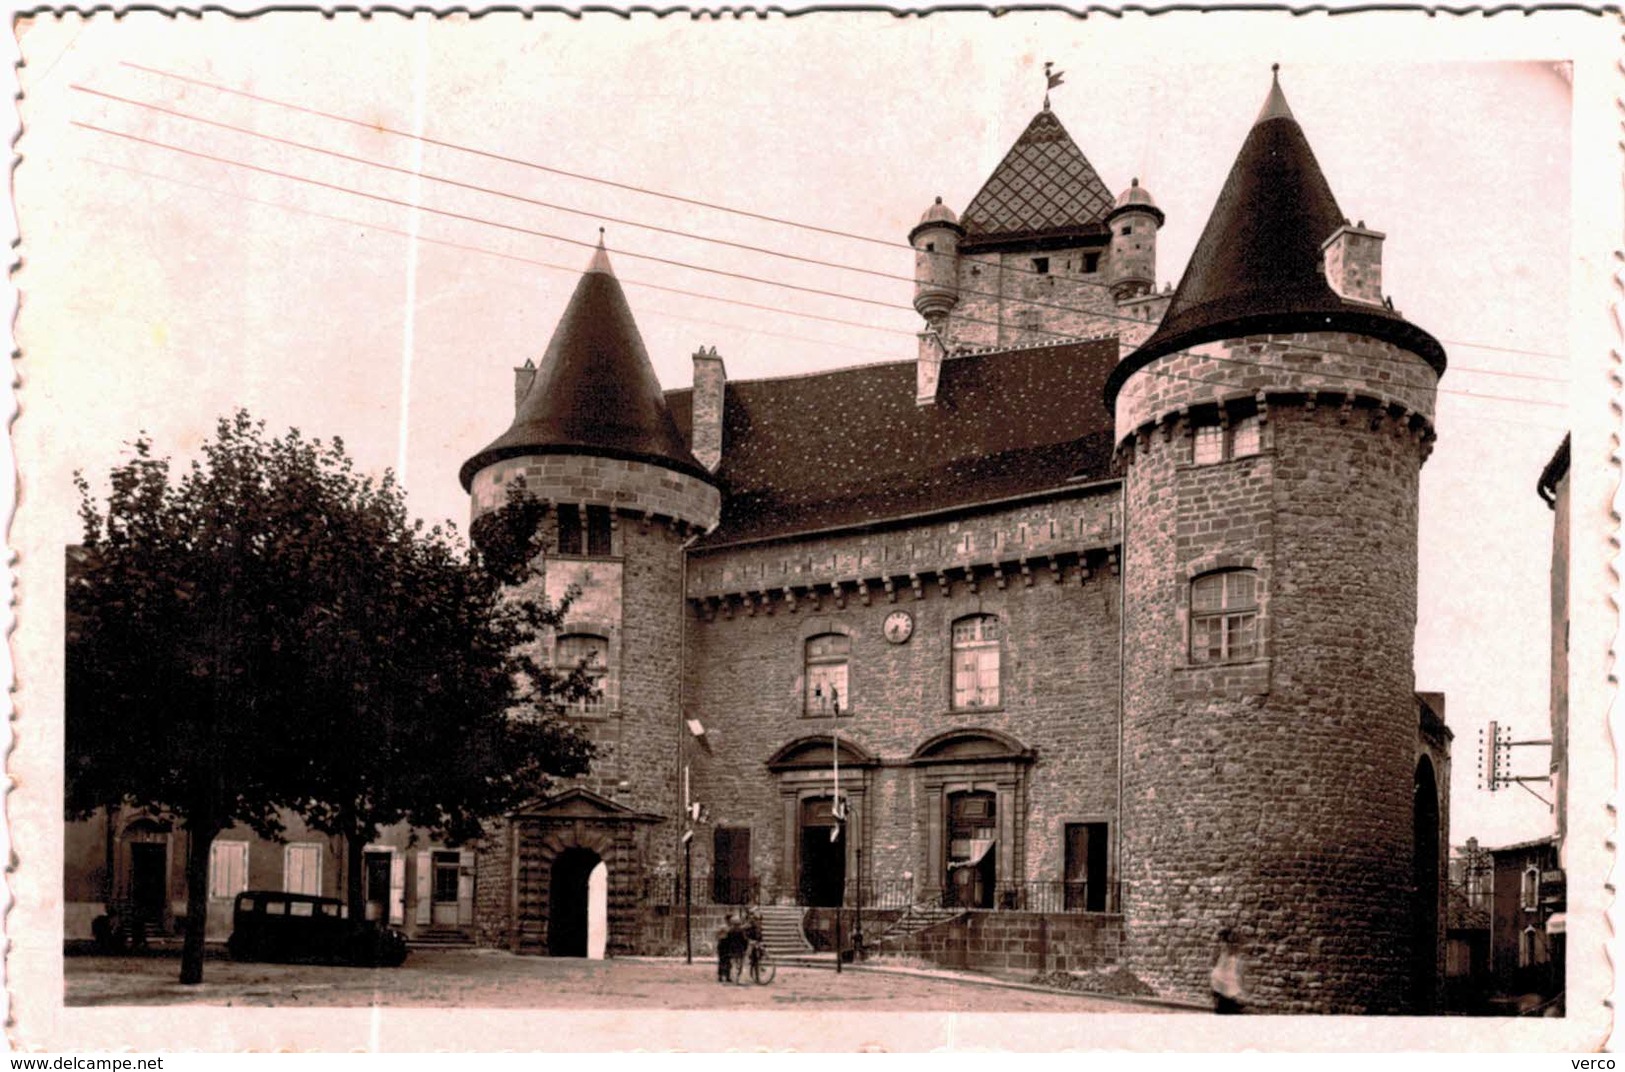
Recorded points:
(917, 919)
(784, 932)
(443, 938)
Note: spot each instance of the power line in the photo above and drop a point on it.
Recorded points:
(367, 225)
(1061, 336)
(488, 154)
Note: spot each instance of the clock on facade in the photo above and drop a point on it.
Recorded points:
(899, 626)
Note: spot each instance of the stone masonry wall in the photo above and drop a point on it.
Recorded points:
(1274, 796)
(1027, 532)
(1019, 942)
(590, 480)
(1003, 302)
(1330, 362)
(1059, 676)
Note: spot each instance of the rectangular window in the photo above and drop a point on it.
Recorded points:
(1244, 438)
(590, 654)
(1041, 265)
(1091, 262)
(1224, 617)
(828, 659)
(445, 877)
(598, 531)
(976, 662)
(1208, 446)
(228, 869)
(1128, 229)
(302, 868)
(569, 529)
(1214, 443)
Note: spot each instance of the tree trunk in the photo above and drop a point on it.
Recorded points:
(355, 844)
(199, 842)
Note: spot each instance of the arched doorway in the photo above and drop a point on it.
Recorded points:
(570, 919)
(1425, 887)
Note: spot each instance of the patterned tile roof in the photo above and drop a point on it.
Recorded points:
(1044, 183)
(851, 447)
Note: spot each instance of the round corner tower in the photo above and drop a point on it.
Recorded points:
(594, 439)
(1271, 434)
(1131, 266)
(936, 263)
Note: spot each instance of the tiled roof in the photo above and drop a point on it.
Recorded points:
(851, 447)
(1044, 183)
(1258, 266)
(595, 392)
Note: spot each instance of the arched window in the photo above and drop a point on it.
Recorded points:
(1526, 947)
(1224, 617)
(976, 662)
(590, 654)
(1531, 889)
(827, 658)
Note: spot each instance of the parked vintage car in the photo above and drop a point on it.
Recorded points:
(272, 925)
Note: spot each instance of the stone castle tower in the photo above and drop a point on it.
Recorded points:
(1042, 254)
(594, 439)
(1271, 433)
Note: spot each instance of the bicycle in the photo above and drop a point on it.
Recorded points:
(758, 961)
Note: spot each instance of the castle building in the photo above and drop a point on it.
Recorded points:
(1102, 606)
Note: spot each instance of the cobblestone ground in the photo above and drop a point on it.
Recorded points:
(486, 979)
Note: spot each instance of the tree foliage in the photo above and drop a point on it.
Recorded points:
(270, 631)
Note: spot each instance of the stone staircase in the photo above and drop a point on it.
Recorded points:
(914, 920)
(443, 938)
(783, 932)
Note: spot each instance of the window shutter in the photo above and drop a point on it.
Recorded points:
(397, 887)
(465, 887)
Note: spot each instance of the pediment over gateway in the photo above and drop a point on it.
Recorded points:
(818, 752)
(578, 803)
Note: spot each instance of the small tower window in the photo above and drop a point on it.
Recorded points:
(1041, 265)
(930, 247)
(598, 531)
(1224, 617)
(1212, 443)
(569, 529)
(1091, 263)
(1128, 229)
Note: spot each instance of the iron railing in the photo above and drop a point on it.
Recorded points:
(667, 888)
(1049, 897)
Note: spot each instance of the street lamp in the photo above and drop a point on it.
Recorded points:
(832, 703)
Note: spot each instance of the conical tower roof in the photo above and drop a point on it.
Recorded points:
(1043, 185)
(1258, 266)
(596, 391)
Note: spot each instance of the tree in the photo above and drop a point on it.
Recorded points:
(270, 631)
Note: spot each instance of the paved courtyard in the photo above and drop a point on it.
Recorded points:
(488, 979)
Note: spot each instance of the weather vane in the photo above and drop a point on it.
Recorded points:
(1052, 78)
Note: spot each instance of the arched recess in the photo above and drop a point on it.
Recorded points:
(814, 865)
(1424, 888)
(982, 769)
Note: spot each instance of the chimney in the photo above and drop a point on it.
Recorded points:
(710, 383)
(523, 377)
(1354, 263)
(928, 369)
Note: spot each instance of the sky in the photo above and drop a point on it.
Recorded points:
(162, 288)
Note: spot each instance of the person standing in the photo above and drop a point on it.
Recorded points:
(725, 947)
(1228, 991)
